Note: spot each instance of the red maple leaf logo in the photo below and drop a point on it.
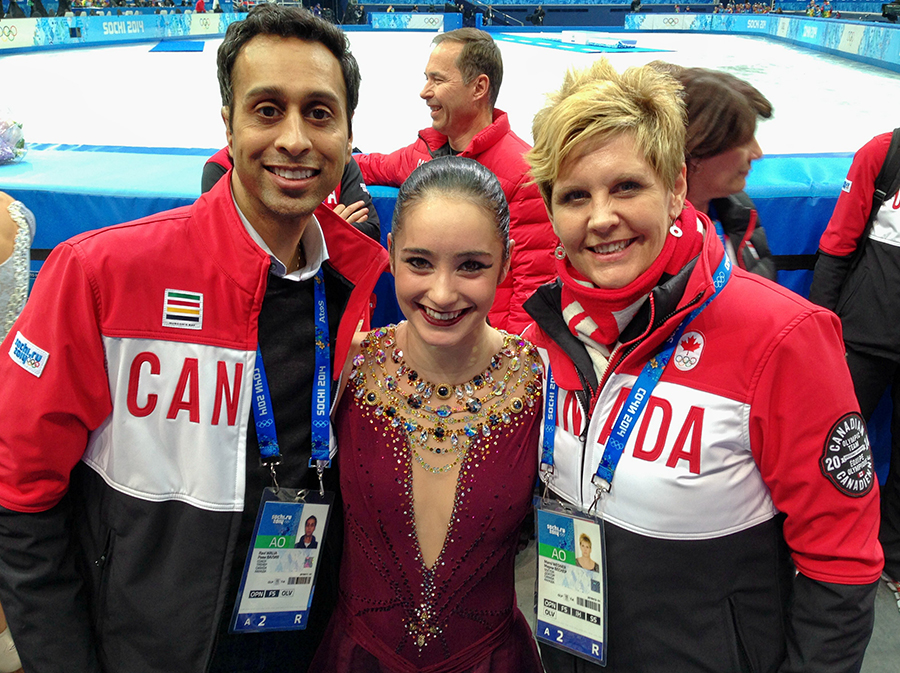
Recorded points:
(690, 344)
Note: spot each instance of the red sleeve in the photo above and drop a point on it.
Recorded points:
(533, 263)
(810, 444)
(45, 419)
(388, 170)
(855, 201)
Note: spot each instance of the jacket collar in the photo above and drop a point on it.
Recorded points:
(353, 255)
(484, 139)
(670, 302)
(225, 240)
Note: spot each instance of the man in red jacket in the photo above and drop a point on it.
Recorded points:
(132, 463)
(463, 79)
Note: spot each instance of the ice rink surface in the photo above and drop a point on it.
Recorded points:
(128, 96)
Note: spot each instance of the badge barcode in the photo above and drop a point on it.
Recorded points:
(299, 580)
(588, 603)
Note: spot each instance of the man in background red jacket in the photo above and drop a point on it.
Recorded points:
(463, 79)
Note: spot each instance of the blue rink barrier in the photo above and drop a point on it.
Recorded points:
(873, 43)
(73, 189)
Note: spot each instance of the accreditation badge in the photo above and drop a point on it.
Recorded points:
(280, 572)
(571, 581)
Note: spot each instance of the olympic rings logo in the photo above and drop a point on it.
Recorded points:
(431, 21)
(669, 21)
(8, 33)
(204, 22)
(686, 360)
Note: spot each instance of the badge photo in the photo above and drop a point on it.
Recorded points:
(281, 567)
(571, 587)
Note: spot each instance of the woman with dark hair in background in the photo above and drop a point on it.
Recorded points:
(720, 146)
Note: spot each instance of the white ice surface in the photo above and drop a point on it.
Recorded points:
(129, 96)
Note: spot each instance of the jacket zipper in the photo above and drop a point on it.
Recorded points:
(614, 364)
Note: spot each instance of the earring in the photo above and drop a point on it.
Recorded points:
(560, 252)
(675, 230)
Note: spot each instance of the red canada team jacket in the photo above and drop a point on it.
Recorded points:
(750, 448)
(128, 382)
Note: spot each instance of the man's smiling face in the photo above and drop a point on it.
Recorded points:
(453, 109)
(288, 129)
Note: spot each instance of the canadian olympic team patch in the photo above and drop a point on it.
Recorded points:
(687, 353)
(847, 458)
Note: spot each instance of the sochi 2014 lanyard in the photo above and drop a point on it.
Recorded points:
(634, 404)
(270, 453)
(720, 232)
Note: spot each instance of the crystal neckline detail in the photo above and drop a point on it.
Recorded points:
(443, 418)
(423, 436)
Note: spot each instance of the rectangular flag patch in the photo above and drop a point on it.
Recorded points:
(28, 356)
(183, 309)
(847, 185)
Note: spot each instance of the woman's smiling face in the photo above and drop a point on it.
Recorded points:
(447, 260)
(611, 211)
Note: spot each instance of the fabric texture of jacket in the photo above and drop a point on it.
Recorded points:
(750, 442)
(865, 296)
(737, 214)
(124, 430)
(500, 150)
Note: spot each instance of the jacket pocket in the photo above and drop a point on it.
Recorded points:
(849, 292)
(741, 653)
(102, 567)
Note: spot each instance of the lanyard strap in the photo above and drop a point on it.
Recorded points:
(321, 424)
(263, 414)
(720, 232)
(549, 424)
(635, 403)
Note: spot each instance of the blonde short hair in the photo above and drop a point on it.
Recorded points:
(598, 103)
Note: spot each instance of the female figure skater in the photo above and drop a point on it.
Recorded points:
(437, 443)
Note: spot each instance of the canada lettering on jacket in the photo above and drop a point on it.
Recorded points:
(853, 424)
(687, 442)
(186, 394)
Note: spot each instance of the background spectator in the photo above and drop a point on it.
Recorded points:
(857, 276)
(463, 77)
(719, 149)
